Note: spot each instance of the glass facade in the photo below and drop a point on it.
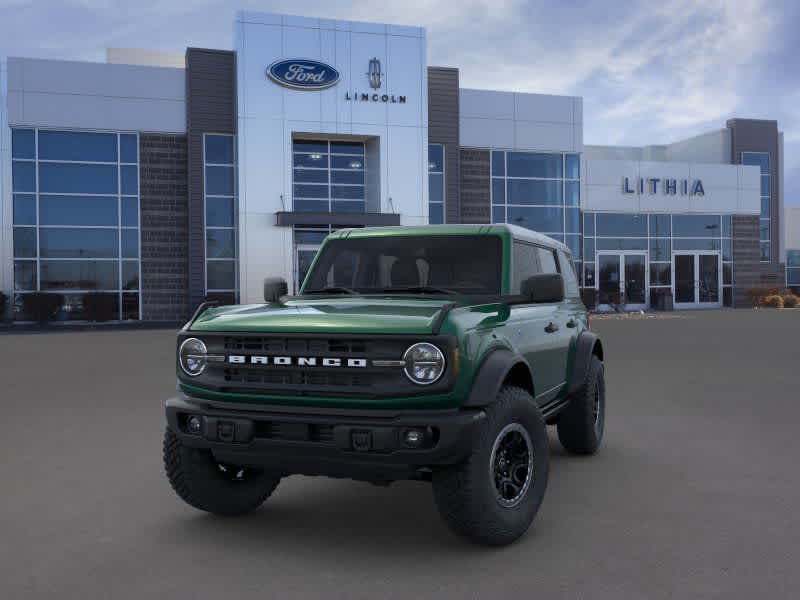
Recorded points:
(435, 183)
(761, 160)
(540, 191)
(658, 235)
(76, 220)
(793, 268)
(221, 223)
(328, 176)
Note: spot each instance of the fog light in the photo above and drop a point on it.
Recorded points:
(193, 425)
(413, 438)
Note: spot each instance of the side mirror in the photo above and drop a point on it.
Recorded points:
(543, 287)
(274, 288)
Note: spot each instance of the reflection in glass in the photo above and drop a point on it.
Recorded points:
(221, 274)
(57, 242)
(66, 178)
(80, 275)
(77, 146)
(77, 210)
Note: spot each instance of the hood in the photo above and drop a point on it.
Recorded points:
(327, 315)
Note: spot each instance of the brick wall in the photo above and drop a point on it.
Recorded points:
(748, 271)
(475, 198)
(165, 230)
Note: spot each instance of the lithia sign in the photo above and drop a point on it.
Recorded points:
(306, 74)
(667, 186)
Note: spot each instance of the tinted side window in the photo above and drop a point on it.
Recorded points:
(526, 263)
(547, 260)
(570, 279)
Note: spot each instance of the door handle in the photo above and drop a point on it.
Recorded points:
(572, 323)
(551, 327)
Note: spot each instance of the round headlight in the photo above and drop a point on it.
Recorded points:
(192, 357)
(424, 363)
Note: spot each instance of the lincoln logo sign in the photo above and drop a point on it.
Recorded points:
(298, 361)
(302, 74)
(669, 187)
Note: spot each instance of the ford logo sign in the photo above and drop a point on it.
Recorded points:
(303, 74)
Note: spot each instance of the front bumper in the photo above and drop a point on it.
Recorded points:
(341, 443)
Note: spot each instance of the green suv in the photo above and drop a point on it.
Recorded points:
(435, 353)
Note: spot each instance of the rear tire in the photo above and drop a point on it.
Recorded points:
(207, 485)
(493, 496)
(582, 422)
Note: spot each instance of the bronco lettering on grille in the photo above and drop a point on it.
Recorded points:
(300, 361)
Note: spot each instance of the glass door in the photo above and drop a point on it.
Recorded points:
(697, 279)
(622, 280)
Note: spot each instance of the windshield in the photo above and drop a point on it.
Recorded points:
(445, 264)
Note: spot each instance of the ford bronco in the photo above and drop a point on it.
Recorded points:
(435, 353)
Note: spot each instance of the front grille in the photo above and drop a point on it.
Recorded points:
(300, 346)
(288, 376)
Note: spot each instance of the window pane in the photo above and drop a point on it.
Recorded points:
(130, 243)
(547, 260)
(344, 162)
(759, 159)
(130, 274)
(220, 243)
(435, 158)
(573, 220)
(436, 213)
(621, 244)
(130, 212)
(23, 176)
(660, 249)
(695, 244)
(543, 219)
(219, 212)
(309, 237)
(219, 181)
(625, 225)
(311, 205)
(24, 209)
(660, 226)
(660, 274)
(348, 206)
(573, 166)
(221, 274)
(318, 161)
(310, 146)
(765, 208)
(573, 193)
(727, 297)
(498, 163)
(130, 180)
(311, 175)
(763, 229)
(23, 144)
(74, 145)
(793, 277)
(574, 243)
(765, 185)
(79, 275)
(727, 225)
(588, 249)
(525, 191)
(530, 164)
(793, 258)
(436, 187)
(128, 149)
(526, 264)
(765, 251)
(588, 274)
(357, 176)
(78, 243)
(25, 275)
(498, 214)
(347, 192)
(310, 191)
(25, 242)
(347, 148)
(130, 307)
(588, 224)
(727, 273)
(219, 149)
(498, 191)
(77, 179)
(77, 210)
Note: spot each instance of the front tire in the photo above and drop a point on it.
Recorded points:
(493, 496)
(207, 485)
(582, 422)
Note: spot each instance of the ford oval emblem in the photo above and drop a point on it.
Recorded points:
(303, 74)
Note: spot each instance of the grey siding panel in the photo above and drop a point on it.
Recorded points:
(443, 128)
(210, 108)
(475, 198)
(164, 227)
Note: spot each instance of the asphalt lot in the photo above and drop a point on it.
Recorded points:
(695, 493)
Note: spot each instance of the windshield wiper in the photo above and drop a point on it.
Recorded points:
(332, 290)
(419, 289)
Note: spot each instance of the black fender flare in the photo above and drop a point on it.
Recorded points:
(494, 368)
(587, 345)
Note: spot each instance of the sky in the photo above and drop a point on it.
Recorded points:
(649, 72)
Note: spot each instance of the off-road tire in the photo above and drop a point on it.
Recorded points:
(200, 482)
(466, 494)
(580, 429)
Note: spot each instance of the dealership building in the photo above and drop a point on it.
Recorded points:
(167, 179)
